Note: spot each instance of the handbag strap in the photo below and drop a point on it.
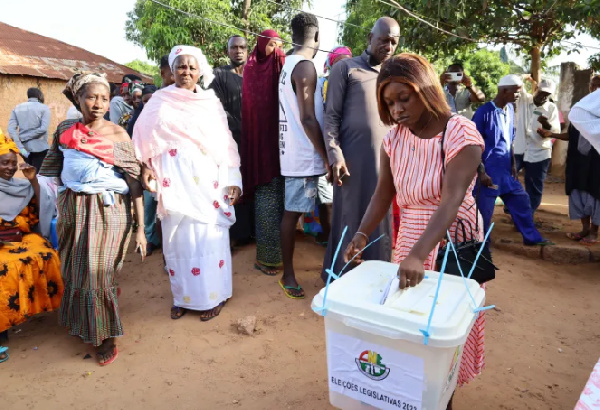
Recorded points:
(444, 173)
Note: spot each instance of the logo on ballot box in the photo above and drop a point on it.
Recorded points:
(371, 365)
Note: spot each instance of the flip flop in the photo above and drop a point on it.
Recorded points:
(575, 236)
(266, 270)
(545, 242)
(589, 242)
(286, 290)
(112, 359)
(177, 309)
(4, 350)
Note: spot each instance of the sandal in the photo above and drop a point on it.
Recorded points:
(177, 312)
(213, 313)
(3, 352)
(543, 242)
(588, 242)
(287, 289)
(101, 355)
(265, 269)
(575, 236)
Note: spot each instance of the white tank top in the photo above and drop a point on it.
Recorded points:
(297, 155)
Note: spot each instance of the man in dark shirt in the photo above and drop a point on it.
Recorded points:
(227, 84)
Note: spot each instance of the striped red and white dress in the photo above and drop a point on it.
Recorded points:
(417, 170)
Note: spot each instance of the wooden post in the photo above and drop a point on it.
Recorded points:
(536, 63)
(245, 12)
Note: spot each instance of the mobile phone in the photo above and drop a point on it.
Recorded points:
(455, 77)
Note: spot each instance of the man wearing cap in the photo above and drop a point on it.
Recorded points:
(122, 104)
(497, 174)
(532, 151)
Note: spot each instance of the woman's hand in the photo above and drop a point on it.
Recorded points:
(234, 193)
(411, 272)
(355, 247)
(147, 176)
(140, 242)
(27, 170)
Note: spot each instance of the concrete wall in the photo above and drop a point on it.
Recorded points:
(574, 85)
(13, 91)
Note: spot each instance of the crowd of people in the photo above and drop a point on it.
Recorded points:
(215, 159)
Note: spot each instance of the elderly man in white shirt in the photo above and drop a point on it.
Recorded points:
(532, 151)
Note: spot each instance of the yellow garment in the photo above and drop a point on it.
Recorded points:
(30, 279)
(7, 145)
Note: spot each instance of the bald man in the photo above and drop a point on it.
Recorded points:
(353, 136)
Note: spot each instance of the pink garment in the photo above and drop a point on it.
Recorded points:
(174, 117)
(590, 397)
(184, 137)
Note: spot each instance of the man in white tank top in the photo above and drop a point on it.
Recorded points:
(302, 154)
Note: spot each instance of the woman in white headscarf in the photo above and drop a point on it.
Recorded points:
(192, 163)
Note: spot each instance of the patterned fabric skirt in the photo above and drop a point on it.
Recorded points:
(198, 259)
(269, 207)
(30, 280)
(93, 241)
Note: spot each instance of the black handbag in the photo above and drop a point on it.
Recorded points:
(467, 251)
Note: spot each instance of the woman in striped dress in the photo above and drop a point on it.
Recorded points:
(431, 195)
(99, 175)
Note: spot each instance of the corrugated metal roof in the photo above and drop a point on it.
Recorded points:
(25, 53)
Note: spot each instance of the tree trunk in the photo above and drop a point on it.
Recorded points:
(245, 12)
(536, 63)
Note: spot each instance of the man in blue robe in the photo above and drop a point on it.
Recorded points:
(497, 173)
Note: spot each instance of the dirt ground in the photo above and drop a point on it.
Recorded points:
(541, 343)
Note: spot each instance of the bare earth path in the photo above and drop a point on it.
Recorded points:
(541, 345)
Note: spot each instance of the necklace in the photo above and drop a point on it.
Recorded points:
(424, 127)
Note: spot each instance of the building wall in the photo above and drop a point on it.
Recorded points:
(13, 91)
(574, 85)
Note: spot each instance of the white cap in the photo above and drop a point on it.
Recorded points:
(547, 86)
(510, 80)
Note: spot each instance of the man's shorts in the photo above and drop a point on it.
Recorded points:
(324, 192)
(300, 194)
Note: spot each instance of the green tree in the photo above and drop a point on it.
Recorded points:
(537, 29)
(146, 68)
(158, 29)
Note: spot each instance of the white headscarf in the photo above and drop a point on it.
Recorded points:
(585, 116)
(205, 68)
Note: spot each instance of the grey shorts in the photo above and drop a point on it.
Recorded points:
(300, 194)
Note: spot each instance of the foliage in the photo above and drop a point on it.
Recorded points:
(485, 67)
(158, 29)
(594, 62)
(537, 28)
(146, 68)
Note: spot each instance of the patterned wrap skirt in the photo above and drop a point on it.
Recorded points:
(93, 241)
